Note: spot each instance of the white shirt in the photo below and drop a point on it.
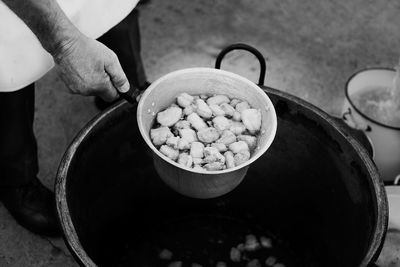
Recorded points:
(22, 58)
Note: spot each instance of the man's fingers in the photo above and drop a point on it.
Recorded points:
(109, 93)
(117, 75)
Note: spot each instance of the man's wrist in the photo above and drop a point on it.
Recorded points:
(60, 43)
(59, 35)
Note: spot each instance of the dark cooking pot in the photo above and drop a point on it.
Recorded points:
(316, 193)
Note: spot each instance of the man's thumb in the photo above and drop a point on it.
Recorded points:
(117, 76)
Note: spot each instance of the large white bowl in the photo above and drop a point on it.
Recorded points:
(161, 93)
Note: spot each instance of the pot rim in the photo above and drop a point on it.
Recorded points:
(347, 95)
(72, 239)
(170, 75)
(376, 183)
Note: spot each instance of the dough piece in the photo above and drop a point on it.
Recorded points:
(170, 116)
(160, 135)
(251, 118)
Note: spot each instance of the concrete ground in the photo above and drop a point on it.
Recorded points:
(311, 48)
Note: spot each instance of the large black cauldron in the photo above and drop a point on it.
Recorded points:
(316, 192)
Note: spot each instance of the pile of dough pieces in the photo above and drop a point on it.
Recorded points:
(207, 132)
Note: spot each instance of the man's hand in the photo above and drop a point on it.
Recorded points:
(88, 67)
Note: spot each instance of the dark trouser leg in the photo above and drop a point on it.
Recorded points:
(18, 149)
(30, 203)
(124, 40)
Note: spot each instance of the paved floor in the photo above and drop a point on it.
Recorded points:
(311, 47)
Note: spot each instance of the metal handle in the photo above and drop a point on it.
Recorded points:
(131, 95)
(248, 48)
(348, 118)
(397, 180)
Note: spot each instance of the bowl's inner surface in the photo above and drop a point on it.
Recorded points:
(162, 93)
(309, 192)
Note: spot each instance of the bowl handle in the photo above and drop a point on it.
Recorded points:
(131, 95)
(359, 135)
(348, 118)
(240, 46)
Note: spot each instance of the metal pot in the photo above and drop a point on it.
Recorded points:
(196, 81)
(316, 194)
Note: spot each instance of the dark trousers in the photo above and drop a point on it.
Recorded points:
(18, 148)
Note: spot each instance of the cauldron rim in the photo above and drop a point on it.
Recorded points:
(72, 239)
(377, 183)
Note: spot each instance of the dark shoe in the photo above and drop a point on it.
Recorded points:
(33, 206)
(102, 105)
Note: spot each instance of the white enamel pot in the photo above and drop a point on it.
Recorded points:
(385, 139)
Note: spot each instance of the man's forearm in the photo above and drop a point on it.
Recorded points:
(47, 21)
